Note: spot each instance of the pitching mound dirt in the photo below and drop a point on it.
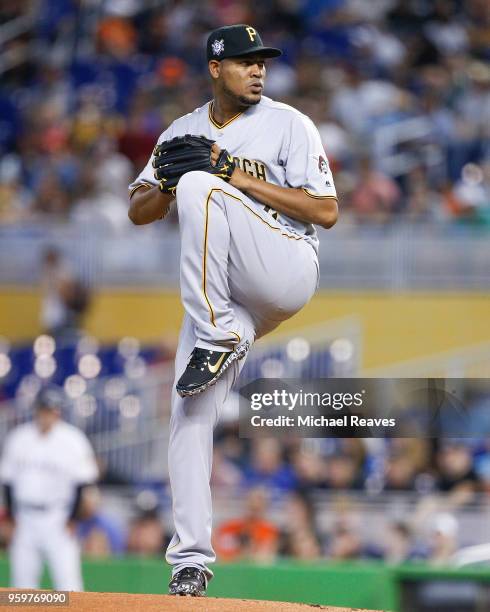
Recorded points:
(124, 602)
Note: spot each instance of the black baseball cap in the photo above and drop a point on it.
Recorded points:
(236, 41)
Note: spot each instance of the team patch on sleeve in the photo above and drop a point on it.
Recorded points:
(323, 165)
(319, 182)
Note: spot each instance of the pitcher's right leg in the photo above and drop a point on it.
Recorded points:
(190, 455)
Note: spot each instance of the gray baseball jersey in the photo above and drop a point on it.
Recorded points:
(244, 268)
(271, 141)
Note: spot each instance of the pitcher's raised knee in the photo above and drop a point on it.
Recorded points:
(196, 182)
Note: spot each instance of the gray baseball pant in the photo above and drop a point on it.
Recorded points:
(241, 274)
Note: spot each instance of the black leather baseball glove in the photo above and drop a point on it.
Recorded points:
(173, 158)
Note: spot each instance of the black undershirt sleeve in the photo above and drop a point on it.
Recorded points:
(7, 496)
(77, 500)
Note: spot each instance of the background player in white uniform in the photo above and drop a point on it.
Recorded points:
(45, 465)
(248, 262)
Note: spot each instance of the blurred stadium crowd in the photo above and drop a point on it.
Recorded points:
(399, 89)
(318, 481)
(396, 500)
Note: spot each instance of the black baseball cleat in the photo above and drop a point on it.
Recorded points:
(205, 367)
(189, 581)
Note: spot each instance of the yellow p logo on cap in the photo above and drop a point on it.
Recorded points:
(252, 33)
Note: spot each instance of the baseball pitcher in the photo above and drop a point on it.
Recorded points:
(251, 180)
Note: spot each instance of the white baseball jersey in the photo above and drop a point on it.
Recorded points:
(271, 141)
(44, 469)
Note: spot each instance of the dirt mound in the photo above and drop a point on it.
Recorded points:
(124, 602)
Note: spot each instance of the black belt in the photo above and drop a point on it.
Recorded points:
(36, 507)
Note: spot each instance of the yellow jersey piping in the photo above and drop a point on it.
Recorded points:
(319, 197)
(206, 224)
(136, 187)
(277, 229)
(204, 260)
(215, 123)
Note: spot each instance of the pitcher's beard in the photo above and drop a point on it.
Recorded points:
(240, 101)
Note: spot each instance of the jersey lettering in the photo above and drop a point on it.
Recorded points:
(273, 213)
(251, 166)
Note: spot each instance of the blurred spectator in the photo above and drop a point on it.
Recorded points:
(251, 537)
(343, 472)
(456, 471)
(398, 543)
(400, 470)
(141, 128)
(51, 199)
(443, 543)
(337, 142)
(147, 535)
(113, 169)
(474, 102)
(482, 469)
(99, 534)
(360, 101)
(64, 298)
(300, 536)
(469, 200)
(234, 448)
(97, 207)
(310, 468)
(15, 200)
(344, 540)
(267, 467)
(447, 34)
(375, 197)
(424, 204)
(116, 37)
(225, 473)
